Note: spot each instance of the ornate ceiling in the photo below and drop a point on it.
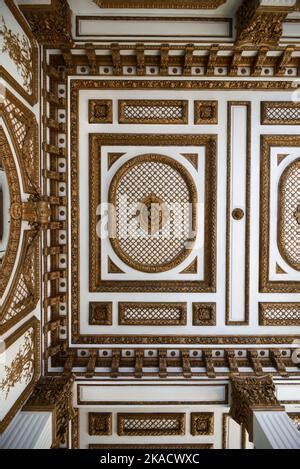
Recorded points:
(182, 113)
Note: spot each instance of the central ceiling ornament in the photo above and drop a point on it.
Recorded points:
(153, 214)
(153, 225)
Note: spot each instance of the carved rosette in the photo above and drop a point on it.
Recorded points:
(249, 394)
(54, 394)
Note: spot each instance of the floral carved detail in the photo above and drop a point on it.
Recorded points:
(249, 394)
(202, 423)
(20, 52)
(100, 424)
(22, 366)
(257, 25)
(51, 25)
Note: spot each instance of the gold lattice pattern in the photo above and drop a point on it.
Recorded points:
(165, 424)
(280, 315)
(282, 114)
(24, 134)
(289, 223)
(152, 314)
(166, 183)
(163, 313)
(23, 294)
(155, 112)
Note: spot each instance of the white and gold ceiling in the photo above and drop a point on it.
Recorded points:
(192, 103)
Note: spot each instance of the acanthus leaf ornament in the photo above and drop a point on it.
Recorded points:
(250, 393)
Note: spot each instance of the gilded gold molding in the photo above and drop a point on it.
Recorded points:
(23, 130)
(288, 231)
(250, 394)
(280, 113)
(24, 291)
(184, 181)
(96, 142)
(265, 284)
(100, 424)
(204, 314)
(152, 314)
(202, 423)
(100, 111)
(10, 169)
(279, 314)
(51, 24)
(33, 324)
(152, 111)
(151, 424)
(260, 25)
(100, 314)
(205, 112)
(237, 215)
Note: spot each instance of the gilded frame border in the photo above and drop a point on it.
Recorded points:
(266, 285)
(122, 305)
(230, 104)
(122, 119)
(185, 175)
(9, 259)
(99, 285)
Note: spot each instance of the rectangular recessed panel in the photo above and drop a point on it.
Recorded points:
(280, 113)
(238, 213)
(154, 314)
(279, 314)
(151, 394)
(153, 112)
(151, 424)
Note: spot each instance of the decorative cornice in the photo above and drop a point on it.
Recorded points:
(249, 394)
(50, 24)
